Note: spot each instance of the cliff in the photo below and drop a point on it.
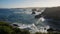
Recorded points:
(53, 13)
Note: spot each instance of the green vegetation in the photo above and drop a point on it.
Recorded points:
(5, 28)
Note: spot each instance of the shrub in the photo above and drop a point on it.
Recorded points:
(5, 28)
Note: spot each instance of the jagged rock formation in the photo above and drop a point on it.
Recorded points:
(38, 16)
(33, 12)
(53, 13)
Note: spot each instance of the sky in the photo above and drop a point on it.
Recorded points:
(28, 3)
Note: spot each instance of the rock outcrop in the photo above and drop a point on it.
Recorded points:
(53, 13)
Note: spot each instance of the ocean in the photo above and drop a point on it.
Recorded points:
(25, 19)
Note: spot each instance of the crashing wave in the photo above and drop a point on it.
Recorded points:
(32, 27)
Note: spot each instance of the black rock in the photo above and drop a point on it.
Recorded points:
(33, 12)
(37, 16)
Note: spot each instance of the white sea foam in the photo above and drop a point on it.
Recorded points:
(33, 26)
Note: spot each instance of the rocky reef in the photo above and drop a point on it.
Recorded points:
(53, 12)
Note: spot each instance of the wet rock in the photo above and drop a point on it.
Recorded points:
(38, 16)
(34, 9)
(33, 12)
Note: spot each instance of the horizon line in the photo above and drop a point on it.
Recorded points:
(33, 7)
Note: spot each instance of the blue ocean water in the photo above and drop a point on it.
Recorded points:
(16, 15)
(25, 16)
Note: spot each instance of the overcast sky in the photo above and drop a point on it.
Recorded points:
(28, 3)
